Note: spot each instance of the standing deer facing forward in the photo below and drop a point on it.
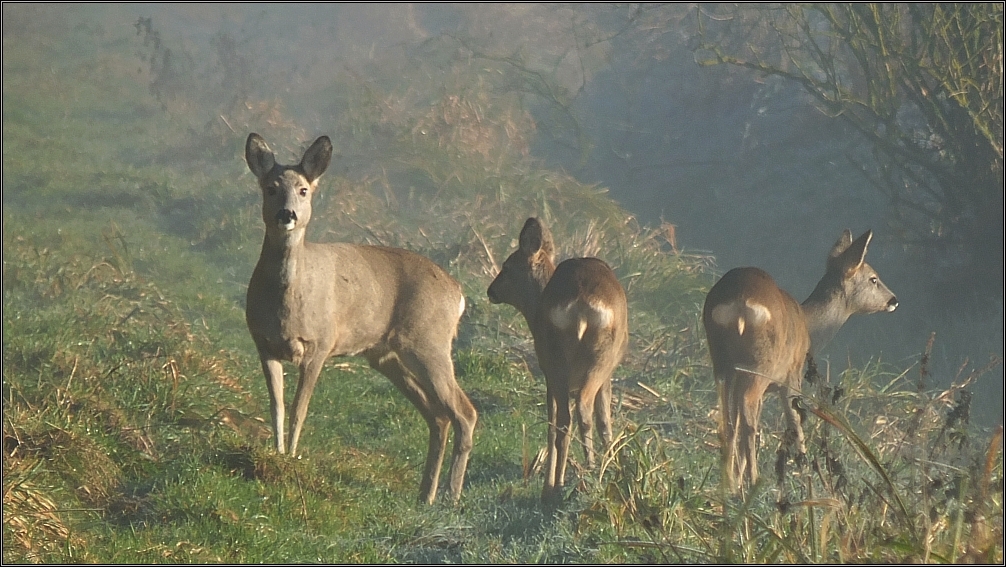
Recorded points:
(578, 317)
(307, 302)
(760, 337)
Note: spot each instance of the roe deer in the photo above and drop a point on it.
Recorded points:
(308, 302)
(760, 337)
(578, 315)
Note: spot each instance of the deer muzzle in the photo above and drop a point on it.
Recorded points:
(286, 218)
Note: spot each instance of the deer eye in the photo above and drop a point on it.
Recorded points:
(303, 191)
(874, 280)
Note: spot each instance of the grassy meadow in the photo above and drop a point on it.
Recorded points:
(135, 414)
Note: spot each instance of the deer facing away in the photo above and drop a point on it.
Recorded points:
(578, 318)
(307, 302)
(760, 337)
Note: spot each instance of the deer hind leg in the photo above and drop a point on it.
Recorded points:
(391, 366)
(602, 413)
(749, 399)
(434, 372)
(461, 413)
(596, 392)
(585, 418)
(585, 422)
(733, 461)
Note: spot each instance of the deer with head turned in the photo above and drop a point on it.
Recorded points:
(578, 317)
(760, 337)
(308, 302)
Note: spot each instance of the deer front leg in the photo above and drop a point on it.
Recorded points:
(310, 368)
(273, 370)
(550, 462)
(794, 425)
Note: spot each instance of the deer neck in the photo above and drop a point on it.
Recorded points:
(825, 312)
(282, 253)
(540, 276)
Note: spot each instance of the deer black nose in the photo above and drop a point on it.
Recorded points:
(285, 216)
(892, 304)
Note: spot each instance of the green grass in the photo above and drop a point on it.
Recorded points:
(135, 412)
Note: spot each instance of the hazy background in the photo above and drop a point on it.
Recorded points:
(742, 165)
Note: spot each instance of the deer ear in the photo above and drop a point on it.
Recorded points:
(841, 244)
(258, 155)
(535, 238)
(531, 236)
(851, 257)
(316, 158)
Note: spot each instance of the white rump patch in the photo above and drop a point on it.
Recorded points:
(726, 315)
(579, 315)
(734, 314)
(757, 313)
(562, 316)
(602, 315)
(461, 306)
